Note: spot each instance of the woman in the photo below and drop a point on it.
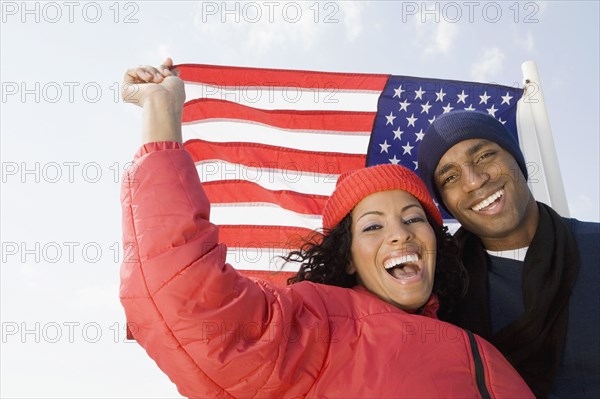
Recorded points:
(216, 333)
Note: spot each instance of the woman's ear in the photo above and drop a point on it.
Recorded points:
(351, 269)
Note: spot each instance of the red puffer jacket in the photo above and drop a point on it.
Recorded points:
(216, 333)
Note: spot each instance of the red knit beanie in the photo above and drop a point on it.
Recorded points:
(355, 185)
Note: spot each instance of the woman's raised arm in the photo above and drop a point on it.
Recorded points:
(161, 94)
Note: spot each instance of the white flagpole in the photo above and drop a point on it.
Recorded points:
(528, 141)
(534, 97)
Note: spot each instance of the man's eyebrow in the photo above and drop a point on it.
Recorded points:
(445, 169)
(477, 146)
(470, 151)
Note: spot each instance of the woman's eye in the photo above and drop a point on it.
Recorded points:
(415, 219)
(372, 227)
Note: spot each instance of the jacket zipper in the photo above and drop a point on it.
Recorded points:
(479, 371)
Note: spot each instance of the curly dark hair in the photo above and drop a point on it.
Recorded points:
(325, 257)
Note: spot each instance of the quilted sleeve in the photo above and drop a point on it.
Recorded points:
(214, 332)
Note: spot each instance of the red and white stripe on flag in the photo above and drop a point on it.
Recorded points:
(269, 146)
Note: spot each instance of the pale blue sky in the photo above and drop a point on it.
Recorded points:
(65, 138)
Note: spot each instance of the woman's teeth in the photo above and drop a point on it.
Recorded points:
(399, 261)
(486, 202)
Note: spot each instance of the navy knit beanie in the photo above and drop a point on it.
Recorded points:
(457, 126)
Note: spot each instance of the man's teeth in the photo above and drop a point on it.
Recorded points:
(393, 262)
(488, 200)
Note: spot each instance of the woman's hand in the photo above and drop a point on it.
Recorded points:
(161, 94)
(147, 83)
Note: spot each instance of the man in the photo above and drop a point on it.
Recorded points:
(534, 276)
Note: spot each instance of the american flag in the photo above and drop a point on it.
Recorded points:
(270, 144)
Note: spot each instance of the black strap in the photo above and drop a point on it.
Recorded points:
(479, 369)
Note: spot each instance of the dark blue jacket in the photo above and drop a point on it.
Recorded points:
(579, 376)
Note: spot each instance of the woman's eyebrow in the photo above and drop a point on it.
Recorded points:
(379, 213)
(410, 206)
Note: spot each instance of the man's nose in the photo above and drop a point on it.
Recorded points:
(474, 176)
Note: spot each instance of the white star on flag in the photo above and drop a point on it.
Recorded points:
(398, 92)
(506, 99)
(390, 119)
(411, 120)
(492, 111)
(419, 93)
(394, 161)
(404, 105)
(420, 134)
(407, 148)
(462, 97)
(484, 98)
(384, 146)
(440, 95)
(398, 134)
(425, 107)
(447, 108)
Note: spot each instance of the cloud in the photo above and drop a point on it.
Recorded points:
(435, 37)
(528, 41)
(164, 51)
(250, 26)
(445, 34)
(261, 27)
(524, 40)
(489, 66)
(352, 17)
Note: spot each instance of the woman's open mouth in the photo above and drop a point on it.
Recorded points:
(403, 267)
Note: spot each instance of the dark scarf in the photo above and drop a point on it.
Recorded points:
(534, 342)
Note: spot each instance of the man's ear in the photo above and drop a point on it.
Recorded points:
(351, 269)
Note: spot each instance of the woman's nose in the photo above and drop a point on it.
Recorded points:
(399, 232)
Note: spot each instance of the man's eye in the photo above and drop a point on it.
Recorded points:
(484, 156)
(449, 179)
